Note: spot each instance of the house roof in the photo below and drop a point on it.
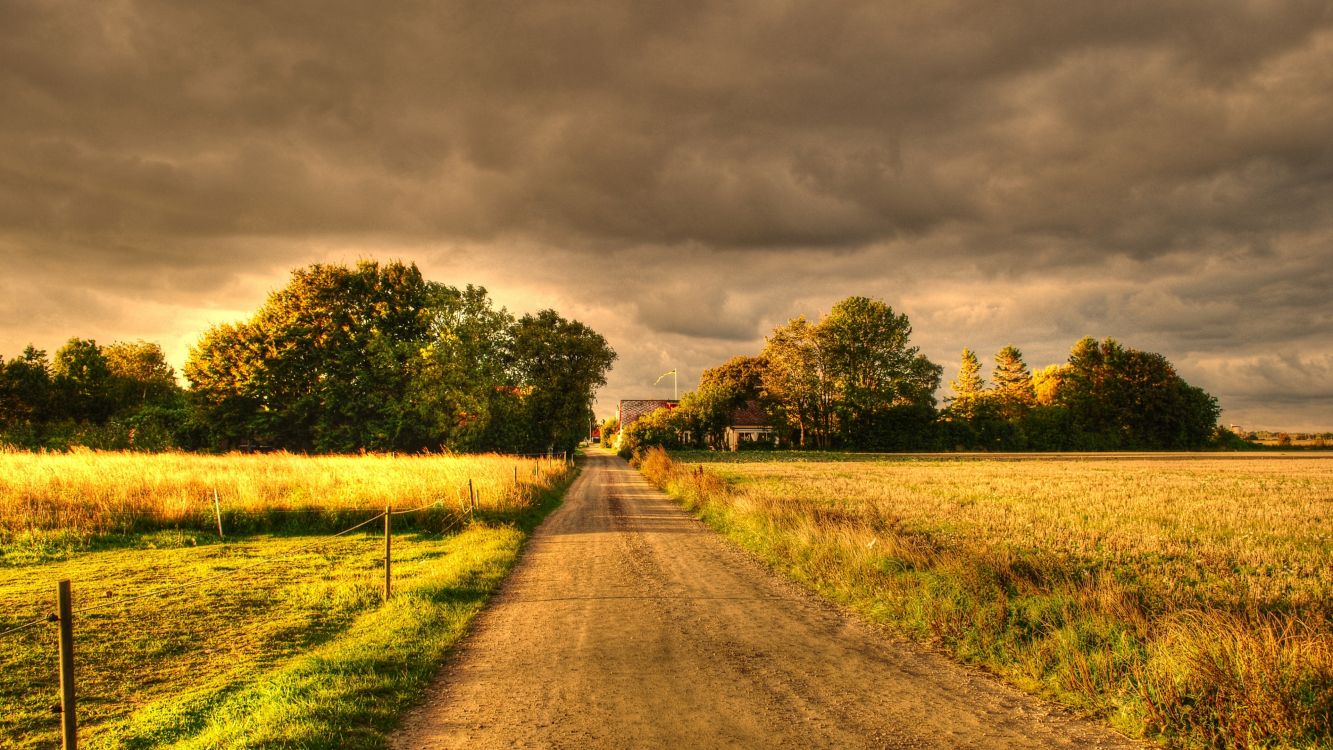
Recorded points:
(634, 409)
(752, 414)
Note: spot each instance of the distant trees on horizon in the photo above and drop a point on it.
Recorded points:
(1105, 397)
(853, 381)
(375, 357)
(123, 395)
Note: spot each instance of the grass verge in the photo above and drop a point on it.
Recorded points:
(1161, 637)
(295, 652)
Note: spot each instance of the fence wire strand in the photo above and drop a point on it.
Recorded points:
(419, 508)
(24, 626)
(206, 579)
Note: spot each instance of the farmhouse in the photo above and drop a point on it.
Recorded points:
(634, 409)
(749, 424)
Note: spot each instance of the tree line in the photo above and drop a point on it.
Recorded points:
(854, 381)
(1106, 396)
(121, 396)
(342, 359)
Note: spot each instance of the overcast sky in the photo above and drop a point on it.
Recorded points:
(684, 177)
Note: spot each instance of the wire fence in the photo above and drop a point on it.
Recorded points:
(447, 517)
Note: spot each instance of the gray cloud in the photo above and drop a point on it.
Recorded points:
(686, 175)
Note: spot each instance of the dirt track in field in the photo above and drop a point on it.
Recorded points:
(630, 624)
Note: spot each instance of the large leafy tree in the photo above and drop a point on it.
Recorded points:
(797, 381)
(853, 377)
(375, 357)
(457, 387)
(1118, 397)
(25, 388)
(81, 381)
(140, 375)
(224, 373)
(873, 366)
(560, 363)
(741, 377)
(324, 364)
(868, 351)
(1047, 382)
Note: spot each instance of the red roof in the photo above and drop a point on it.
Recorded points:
(752, 414)
(634, 409)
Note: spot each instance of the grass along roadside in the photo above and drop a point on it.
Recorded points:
(1189, 602)
(299, 653)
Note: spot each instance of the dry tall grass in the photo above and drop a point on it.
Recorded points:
(1190, 599)
(87, 493)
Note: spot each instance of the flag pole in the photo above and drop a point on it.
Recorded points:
(675, 386)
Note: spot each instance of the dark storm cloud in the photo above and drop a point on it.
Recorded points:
(689, 173)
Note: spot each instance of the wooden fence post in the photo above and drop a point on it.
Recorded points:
(471, 498)
(388, 551)
(69, 725)
(217, 511)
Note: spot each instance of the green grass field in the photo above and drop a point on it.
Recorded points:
(287, 642)
(1184, 598)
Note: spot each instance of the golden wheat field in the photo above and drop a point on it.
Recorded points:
(1186, 598)
(1236, 533)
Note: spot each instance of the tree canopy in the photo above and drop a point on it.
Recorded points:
(120, 396)
(1105, 397)
(561, 364)
(1123, 398)
(853, 379)
(375, 357)
(722, 390)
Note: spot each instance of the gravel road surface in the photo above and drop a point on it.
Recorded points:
(630, 624)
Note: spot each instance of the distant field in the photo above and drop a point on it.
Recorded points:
(275, 636)
(1296, 442)
(1184, 597)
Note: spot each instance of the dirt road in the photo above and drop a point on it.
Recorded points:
(630, 624)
